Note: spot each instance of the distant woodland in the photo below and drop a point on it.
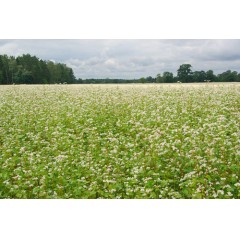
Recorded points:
(27, 69)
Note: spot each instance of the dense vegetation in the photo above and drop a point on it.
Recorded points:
(184, 75)
(120, 141)
(27, 69)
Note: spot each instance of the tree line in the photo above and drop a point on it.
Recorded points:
(184, 75)
(27, 69)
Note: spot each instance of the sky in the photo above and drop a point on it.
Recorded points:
(130, 59)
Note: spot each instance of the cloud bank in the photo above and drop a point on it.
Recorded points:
(130, 58)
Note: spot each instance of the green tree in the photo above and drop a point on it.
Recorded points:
(31, 64)
(23, 76)
(12, 68)
(60, 73)
(32, 70)
(44, 72)
(79, 81)
(150, 79)
(1, 71)
(5, 69)
(142, 80)
(199, 76)
(228, 76)
(238, 78)
(159, 78)
(210, 76)
(168, 77)
(184, 73)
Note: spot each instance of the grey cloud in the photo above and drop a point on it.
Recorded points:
(130, 58)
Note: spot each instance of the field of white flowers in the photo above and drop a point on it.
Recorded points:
(120, 141)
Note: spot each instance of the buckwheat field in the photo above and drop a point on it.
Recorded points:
(120, 141)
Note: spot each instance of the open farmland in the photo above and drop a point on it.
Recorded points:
(120, 141)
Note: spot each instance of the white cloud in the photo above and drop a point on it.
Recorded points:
(10, 48)
(130, 58)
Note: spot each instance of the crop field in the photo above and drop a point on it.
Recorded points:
(120, 141)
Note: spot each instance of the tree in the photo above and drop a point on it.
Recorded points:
(1, 71)
(168, 77)
(60, 73)
(23, 76)
(45, 74)
(1, 77)
(159, 78)
(184, 73)
(228, 76)
(4, 62)
(234, 76)
(150, 79)
(238, 79)
(12, 68)
(31, 70)
(199, 76)
(31, 64)
(79, 81)
(210, 76)
(142, 80)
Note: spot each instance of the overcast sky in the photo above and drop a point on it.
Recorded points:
(130, 58)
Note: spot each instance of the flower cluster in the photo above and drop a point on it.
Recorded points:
(120, 141)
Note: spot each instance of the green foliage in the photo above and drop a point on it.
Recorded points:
(199, 76)
(210, 76)
(184, 73)
(120, 141)
(168, 77)
(228, 76)
(27, 69)
(142, 80)
(159, 78)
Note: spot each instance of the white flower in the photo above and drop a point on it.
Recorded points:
(215, 195)
(220, 192)
(22, 149)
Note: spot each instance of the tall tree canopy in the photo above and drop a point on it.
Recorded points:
(184, 73)
(27, 69)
